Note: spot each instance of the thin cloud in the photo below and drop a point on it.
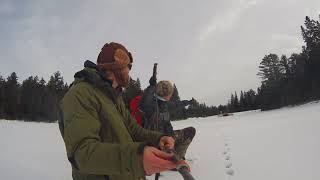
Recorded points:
(227, 20)
(294, 40)
(6, 7)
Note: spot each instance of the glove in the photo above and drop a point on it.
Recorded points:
(153, 81)
(155, 161)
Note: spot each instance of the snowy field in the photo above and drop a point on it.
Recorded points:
(282, 144)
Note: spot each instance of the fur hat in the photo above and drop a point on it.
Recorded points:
(113, 56)
(164, 89)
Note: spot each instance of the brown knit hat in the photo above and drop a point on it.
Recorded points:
(113, 56)
(164, 89)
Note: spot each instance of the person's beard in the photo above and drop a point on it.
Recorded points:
(122, 78)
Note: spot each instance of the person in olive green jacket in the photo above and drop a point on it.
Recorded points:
(101, 138)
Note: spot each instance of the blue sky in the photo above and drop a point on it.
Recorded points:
(209, 49)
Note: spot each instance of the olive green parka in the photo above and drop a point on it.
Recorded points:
(101, 138)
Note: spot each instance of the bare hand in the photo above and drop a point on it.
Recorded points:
(155, 161)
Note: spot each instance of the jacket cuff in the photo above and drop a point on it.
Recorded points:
(137, 161)
(142, 146)
(132, 162)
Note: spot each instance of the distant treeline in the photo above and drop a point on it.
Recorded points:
(38, 100)
(33, 100)
(285, 81)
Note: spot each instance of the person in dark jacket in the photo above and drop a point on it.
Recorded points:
(154, 107)
(102, 140)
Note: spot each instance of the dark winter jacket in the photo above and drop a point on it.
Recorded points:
(102, 140)
(155, 112)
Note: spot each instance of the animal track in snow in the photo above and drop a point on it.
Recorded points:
(227, 157)
(230, 172)
(228, 164)
(225, 152)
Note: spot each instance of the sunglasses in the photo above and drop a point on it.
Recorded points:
(130, 66)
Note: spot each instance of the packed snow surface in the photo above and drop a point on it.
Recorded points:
(280, 144)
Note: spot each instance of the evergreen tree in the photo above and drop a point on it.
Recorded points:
(251, 100)
(134, 89)
(42, 93)
(242, 103)
(2, 97)
(32, 99)
(231, 104)
(311, 36)
(55, 91)
(284, 67)
(176, 111)
(236, 103)
(222, 109)
(12, 98)
(28, 98)
(269, 68)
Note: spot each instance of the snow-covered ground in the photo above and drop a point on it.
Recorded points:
(281, 144)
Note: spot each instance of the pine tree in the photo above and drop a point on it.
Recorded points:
(269, 68)
(134, 89)
(231, 104)
(2, 97)
(236, 103)
(242, 103)
(311, 36)
(27, 98)
(251, 99)
(42, 93)
(55, 91)
(12, 98)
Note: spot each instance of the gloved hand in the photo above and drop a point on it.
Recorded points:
(153, 81)
(166, 142)
(155, 161)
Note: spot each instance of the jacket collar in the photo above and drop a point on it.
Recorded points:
(96, 78)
